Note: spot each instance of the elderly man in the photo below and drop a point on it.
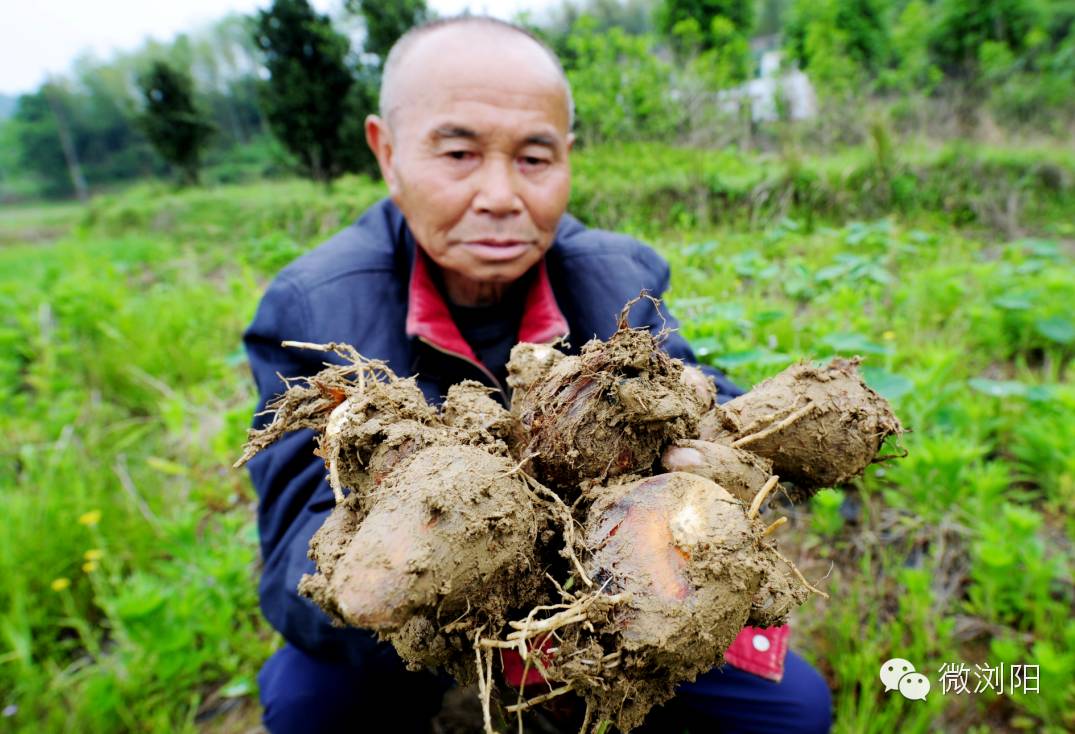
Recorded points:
(471, 253)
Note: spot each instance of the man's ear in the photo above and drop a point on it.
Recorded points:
(570, 142)
(379, 138)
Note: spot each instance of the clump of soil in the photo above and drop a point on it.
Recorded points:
(366, 418)
(605, 413)
(451, 536)
(819, 426)
(483, 420)
(529, 363)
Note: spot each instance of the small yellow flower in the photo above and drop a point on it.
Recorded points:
(93, 554)
(888, 336)
(90, 518)
(89, 566)
(60, 584)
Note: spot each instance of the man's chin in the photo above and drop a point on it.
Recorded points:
(497, 274)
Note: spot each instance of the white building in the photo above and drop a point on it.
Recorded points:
(772, 83)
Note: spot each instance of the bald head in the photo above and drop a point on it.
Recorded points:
(473, 141)
(447, 49)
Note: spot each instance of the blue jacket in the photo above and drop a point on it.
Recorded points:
(367, 287)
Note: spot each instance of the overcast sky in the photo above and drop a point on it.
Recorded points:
(41, 37)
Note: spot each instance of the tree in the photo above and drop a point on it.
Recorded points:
(672, 14)
(309, 81)
(387, 21)
(384, 23)
(46, 147)
(912, 67)
(633, 17)
(171, 121)
(963, 27)
(621, 87)
(224, 64)
(719, 58)
(856, 29)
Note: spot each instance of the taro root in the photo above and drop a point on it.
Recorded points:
(819, 426)
(740, 472)
(368, 420)
(686, 566)
(454, 530)
(453, 523)
(607, 412)
(674, 543)
(705, 390)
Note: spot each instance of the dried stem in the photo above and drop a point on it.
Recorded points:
(774, 527)
(537, 700)
(567, 521)
(621, 323)
(776, 427)
(586, 718)
(799, 574)
(759, 498)
(529, 628)
(485, 680)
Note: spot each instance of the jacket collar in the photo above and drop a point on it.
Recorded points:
(428, 316)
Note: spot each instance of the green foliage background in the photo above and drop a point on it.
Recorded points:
(126, 396)
(923, 220)
(291, 98)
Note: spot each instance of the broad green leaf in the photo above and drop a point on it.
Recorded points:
(1057, 329)
(851, 344)
(761, 357)
(890, 385)
(1013, 302)
(999, 388)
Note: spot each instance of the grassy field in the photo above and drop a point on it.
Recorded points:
(130, 551)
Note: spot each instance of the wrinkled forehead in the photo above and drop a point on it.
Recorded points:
(473, 65)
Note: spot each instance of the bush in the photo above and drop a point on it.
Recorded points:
(621, 87)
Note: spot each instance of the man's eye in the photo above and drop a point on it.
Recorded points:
(459, 155)
(533, 161)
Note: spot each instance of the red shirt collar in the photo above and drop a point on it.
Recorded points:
(428, 316)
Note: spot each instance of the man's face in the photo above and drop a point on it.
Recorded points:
(475, 151)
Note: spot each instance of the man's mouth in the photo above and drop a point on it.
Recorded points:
(497, 249)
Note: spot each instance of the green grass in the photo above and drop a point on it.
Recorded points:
(37, 222)
(130, 553)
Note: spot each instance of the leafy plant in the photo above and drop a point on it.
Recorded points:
(172, 122)
(308, 78)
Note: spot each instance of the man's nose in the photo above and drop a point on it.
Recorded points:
(497, 194)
